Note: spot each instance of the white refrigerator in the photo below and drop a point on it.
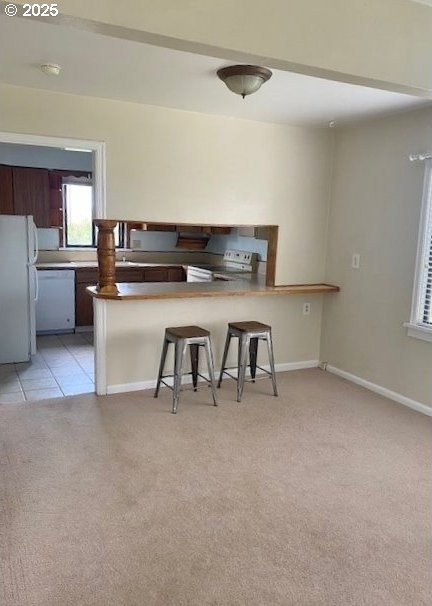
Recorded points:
(18, 288)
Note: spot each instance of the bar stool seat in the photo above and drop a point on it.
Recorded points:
(249, 334)
(187, 332)
(249, 326)
(182, 337)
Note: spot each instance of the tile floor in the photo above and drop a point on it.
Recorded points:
(63, 366)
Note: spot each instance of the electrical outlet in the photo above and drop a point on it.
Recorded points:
(306, 309)
(355, 264)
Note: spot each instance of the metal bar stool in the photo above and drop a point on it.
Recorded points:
(248, 334)
(182, 337)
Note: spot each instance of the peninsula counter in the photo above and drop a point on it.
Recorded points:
(218, 288)
(130, 325)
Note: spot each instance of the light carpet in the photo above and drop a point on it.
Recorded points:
(318, 497)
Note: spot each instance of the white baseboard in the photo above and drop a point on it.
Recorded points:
(151, 384)
(83, 329)
(383, 391)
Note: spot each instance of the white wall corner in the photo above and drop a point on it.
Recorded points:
(100, 350)
(383, 391)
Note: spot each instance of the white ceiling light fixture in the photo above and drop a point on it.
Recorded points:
(50, 69)
(244, 79)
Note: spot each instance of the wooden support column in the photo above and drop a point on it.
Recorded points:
(272, 241)
(106, 256)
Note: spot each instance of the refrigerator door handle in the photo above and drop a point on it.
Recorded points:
(35, 244)
(36, 283)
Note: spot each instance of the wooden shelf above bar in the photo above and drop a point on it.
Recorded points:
(190, 290)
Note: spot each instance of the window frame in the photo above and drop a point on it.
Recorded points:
(76, 181)
(416, 327)
(89, 182)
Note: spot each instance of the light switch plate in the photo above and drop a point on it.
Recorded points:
(306, 309)
(355, 264)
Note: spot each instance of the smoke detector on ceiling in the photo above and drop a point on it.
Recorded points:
(50, 69)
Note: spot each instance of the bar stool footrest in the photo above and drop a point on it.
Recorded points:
(184, 374)
(224, 371)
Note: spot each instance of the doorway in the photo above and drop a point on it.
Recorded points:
(64, 361)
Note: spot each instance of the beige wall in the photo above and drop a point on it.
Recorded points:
(136, 330)
(169, 165)
(375, 211)
(270, 174)
(386, 40)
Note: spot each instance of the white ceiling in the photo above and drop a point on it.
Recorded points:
(100, 66)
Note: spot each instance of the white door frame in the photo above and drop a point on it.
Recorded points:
(99, 183)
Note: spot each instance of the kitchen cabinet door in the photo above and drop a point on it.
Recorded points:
(83, 301)
(83, 305)
(89, 277)
(129, 275)
(190, 229)
(6, 190)
(56, 199)
(155, 274)
(160, 227)
(176, 274)
(222, 231)
(31, 191)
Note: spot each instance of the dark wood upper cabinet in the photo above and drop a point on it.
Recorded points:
(184, 228)
(31, 192)
(222, 231)
(56, 199)
(159, 227)
(6, 190)
(190, 229)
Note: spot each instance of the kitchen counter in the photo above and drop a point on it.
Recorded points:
(94, 265)
(228, 284)
(219, 272)
(233, 288)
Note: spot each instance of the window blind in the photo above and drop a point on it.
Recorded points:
(424, 294)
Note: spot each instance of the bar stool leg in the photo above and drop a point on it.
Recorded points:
(161, 366)
(253, 349)
(224, 357)
(194, 356)
(271, 360)
(210, 365)
(243, 351)
(180, 348)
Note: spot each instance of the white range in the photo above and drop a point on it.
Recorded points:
(235, 263)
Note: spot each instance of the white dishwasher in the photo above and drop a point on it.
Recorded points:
(55, 307)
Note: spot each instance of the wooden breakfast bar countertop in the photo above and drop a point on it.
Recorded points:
(140, 291)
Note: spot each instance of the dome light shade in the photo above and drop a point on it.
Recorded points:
(50, 69)
(244, 79)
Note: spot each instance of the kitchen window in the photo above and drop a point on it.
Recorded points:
(78, 212)
(78, 216)
(420, 324)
